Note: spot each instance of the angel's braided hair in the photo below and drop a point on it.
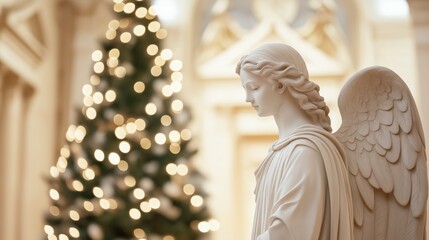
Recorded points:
(282, 66)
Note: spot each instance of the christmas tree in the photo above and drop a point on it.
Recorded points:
(125, 170)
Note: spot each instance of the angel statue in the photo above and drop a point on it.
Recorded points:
(366, 181)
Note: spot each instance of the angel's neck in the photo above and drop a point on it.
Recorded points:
(288, 121)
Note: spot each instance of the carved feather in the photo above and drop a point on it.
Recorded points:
(393, 154)
(380, 168)
(353, 168)
(357, 203)
(373, 181)
(366, 191)
(383, 138)
(420, 187)
(385, 117)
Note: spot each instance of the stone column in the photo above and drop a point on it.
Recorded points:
(419, 11)
(11, 155)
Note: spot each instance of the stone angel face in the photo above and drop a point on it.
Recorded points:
(261, 94)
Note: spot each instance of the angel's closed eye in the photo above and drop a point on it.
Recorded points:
(252, 86)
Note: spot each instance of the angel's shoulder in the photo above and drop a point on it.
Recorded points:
(303, 149)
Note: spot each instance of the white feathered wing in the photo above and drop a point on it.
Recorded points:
(383, 138)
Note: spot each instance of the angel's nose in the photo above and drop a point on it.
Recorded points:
(249, 98)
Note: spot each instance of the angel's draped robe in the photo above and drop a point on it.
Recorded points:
(302, 190)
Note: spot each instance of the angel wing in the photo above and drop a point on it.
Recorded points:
(383, 138)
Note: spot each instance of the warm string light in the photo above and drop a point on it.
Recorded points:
(54, 211)
(88, 174)
(54, 194)
(87, 90)
(177, 76)
(124, 23)
(161, 34)
(197, 201)
(186, 134)
(99, 155)
(98, 67)
(176, 65)
(139, 193)
(150, 108)
(120, 71)
(166, 120)
(160, 138)
(118, 7)
(154, 26)
(97, 55)
(189, 189)
(141, 12)
(75, 133)
(124, 147)
(123, 165)
(114, 158)
(174, 148)
(82, 163)
(139, 87)
(104, 204)
(129, 7)
(129, 181)
(177, 106)
(113, 60)
(138, 30)
(152, 49)
(74, 232)
(159, 60)
(88, 206)
(114, 53)
(147, 206)
(94, 80)
(139, 233)
(120, 132)
(145, 143)
(74, 215)
(78, 186)
(173, 169)
(125, 37)
(98, 192)
(110, 95)
(206, 226)
(91, 113)
(118, 119)
(151, 13)
(133, 125)
(61, 164)
(54, 172)
(156, 71)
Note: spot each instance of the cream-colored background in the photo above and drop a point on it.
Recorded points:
(45, 58)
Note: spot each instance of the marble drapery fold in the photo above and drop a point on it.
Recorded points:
(302, 189)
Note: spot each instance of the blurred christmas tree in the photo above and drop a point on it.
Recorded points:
(125, 171)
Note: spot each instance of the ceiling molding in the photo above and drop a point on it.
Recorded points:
(21, 41)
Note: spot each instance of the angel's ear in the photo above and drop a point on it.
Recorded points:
(281, 88)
